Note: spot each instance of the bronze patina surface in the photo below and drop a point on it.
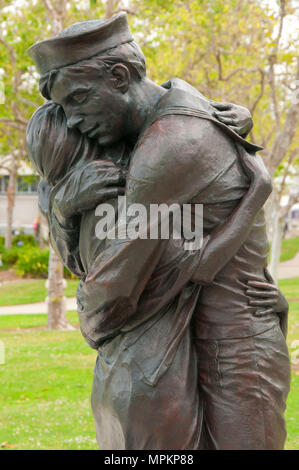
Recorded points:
(191, 343)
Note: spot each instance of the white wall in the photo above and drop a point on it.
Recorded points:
(25, 212)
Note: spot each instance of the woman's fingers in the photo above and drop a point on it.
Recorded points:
(261, 303)
(108, 193)
(99, 196)
(103, 177)
(226, 114)
(114, 178)
(265, 294)
(261, 285)
(229, 121)
(221, 106)
(266, 311)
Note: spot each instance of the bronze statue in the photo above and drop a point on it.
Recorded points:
(191, 347)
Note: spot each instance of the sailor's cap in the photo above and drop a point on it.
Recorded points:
(80, 41)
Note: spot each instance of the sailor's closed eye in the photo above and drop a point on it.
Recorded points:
(79, 98)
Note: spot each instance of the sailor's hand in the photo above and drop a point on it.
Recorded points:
(263, 295)
(238, 118)
(268, 297)
(282, 306)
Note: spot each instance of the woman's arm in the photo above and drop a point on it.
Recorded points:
(63, 238)
(86, 187)
(224, 242)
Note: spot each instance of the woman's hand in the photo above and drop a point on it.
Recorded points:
(238, 118)
(87, 186)
(268, 296)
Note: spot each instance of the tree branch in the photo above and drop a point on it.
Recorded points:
(30, 103)
(286, 173)
(126, 10)
(272, 59)
(293, 199)
(57, 15)
(285, 137)
(20, 125)
(10, 49)
(260, 95)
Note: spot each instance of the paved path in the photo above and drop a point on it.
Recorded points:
(37, 307)
(289, 268)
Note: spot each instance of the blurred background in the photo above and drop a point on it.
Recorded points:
(240, 51)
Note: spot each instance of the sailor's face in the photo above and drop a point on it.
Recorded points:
(91, 104)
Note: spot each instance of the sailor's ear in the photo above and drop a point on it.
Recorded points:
(120, 77)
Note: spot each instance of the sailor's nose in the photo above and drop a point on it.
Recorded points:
(74, 121)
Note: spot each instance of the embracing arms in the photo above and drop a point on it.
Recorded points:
(224, 242)
(158, 174)
(63, 204)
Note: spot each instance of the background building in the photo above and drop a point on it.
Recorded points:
(26, 208)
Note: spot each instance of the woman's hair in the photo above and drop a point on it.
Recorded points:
(54, 148)
(128, 54)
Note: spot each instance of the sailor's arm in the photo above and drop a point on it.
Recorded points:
(225, 241)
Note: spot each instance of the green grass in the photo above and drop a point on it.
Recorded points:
(26, 292)
(45, 391)
(290, 287)
(8, 322)
(47, 377)
(289, 248)
(292, 415)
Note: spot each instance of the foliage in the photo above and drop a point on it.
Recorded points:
(10, 257)
(2, 241)
(25, 239)
(231, 50)
(28, 260)
(33, 262)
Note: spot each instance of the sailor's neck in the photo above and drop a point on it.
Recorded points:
(145, 97)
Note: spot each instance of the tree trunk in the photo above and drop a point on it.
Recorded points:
(110, 7)
(11, 194)
(43, 231)
(56, 301)
(277, 237)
